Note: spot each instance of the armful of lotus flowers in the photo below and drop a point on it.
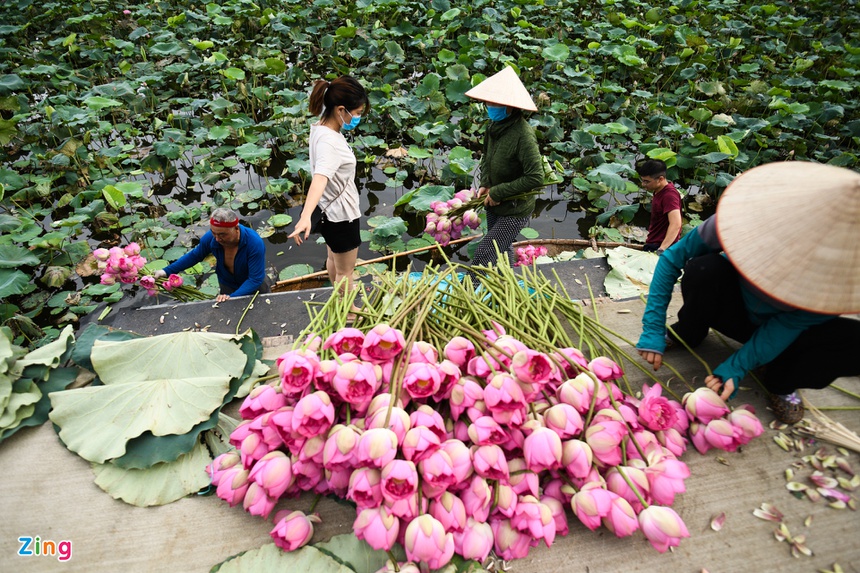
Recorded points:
(724, 389)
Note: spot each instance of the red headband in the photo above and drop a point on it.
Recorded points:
(214, 223)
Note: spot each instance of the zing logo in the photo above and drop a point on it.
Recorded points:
(36, 547)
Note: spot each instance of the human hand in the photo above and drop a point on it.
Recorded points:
(489, 201)
(483, 191)
(654, 358)
(716, 384)
(222, 297)
(159, 274)
(303, 226)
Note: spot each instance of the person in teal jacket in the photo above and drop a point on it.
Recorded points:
(760, 283)
(511, 165)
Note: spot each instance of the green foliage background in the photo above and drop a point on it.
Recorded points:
(98, 108)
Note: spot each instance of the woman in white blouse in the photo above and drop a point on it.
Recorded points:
(339, 105)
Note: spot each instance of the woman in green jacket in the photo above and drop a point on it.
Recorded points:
(510, 165)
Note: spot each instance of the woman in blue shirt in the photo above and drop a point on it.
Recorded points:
(775, 286)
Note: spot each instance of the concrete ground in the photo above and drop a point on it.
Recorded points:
(49, 491)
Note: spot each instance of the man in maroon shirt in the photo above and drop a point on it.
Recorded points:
(665, 228)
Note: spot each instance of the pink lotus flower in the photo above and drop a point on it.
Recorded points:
(426, 416)
(131, 249)
(262, 399)
(148, 282)
(666, 478)
(565, 356)
(107, 279)
(605, 369)
(313, 415)
(493, 334)
(704, 405)
(419, 443)
(297, 369)
(621, 519)
(273, 472)
(309, 475)
(293, 529)
(505, 400)
(673, 441)
(233, 485)
(325, 374)
(398, 421)
(535, 518)
(422, 380)
(464, 395)
(531, 367)
(485, 430)
(382, 344)
(564, 420)
(406, 509)
(377, 447)
(450, 511)
(421, 351)
(542, 450)
(605, 438)
(508, 542)
(556, 509)
(662, 527)
(697, 436)
(461, 459)
(356, 383)
(377, 526)
(172, 282)
(504, 499)
(477, 498)
(345, 340)
(365, 487)
(490, 462)
(747, 423)
(313, 450)
(426, 540)
(339, 450)
(616, 483)
(449, 374)
(655, 411)
(523, 481)
(475, 540)
(437, 474)
(722, 435)
(221, 464)
(592, 504)
(576, 458)
(399, 480)
(101, 254)
(257, 501)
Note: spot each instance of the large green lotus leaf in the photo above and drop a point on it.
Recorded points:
(361, 557)
(631, 272)
(5, 391)
(48, 356)
(270, 557)
(20, 404)
(14, 282)
(12, 256)
(159, 485)
(84, 345)
(169, 357)
(60, 379)
(147, 450)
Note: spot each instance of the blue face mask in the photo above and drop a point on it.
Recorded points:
(353, 122)
(497, 112)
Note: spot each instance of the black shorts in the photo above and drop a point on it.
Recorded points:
(341, 236)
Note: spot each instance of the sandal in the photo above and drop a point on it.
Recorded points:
(788, 408)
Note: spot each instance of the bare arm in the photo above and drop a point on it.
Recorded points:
(673, 230)
(303, 227)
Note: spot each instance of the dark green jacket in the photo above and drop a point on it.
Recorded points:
(511, 165)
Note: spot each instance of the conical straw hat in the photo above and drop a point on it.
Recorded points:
(503, 88)
(793, 230)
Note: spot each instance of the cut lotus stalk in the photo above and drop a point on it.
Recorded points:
(824, 428)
